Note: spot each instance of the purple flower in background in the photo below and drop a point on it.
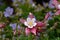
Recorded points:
(16, 0)
(44, 4)
(18, 26)
(51, 13)
(13, 25)
(8, 12)
(31, 2)
(50, 17)
(51, 4)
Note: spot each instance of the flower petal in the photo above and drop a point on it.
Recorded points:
(57, 13)
(25, 23)
(30, 26)
(34, 24)
(28, 19)
(27, 31)
(40, 24)
(47, 15)
(59, 6)
(31, 15)
(51, 4)
(2, 25)
(33, 30)
(13, 25)
(33, 19)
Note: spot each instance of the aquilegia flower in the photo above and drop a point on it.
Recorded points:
(49, 15)
(30, 23)
(41, 26)
(2, 25)
(51, 4)
(14, 26)
(8, 12)
(56, 4)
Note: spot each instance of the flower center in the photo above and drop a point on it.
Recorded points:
(30, 23)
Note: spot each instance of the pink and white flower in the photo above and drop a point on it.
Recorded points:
(2, 25)
(57, 13)
(59, 6)
(41, 25)
(49, 15)
(56, 4)
(30, 23)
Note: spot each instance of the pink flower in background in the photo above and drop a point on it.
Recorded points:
(56, 4)
(16, 32)
(30, 23)
(57, 13)
(51, 4)
(48, 16)
(41, 26)
(2, 25)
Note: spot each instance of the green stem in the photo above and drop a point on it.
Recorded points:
(17, 32)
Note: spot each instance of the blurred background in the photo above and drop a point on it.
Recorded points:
(11, 11)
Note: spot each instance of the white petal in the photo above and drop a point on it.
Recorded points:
(34, 24)
(30, 26)
(33, 19)
(33, 5)
(59, 6)
(25, 23)
(28, 19)
(30, 13)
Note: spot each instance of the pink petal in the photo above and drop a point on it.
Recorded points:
(55, 2)
(57, 6)
(40, 24)
(47, 15)
(22, 20)
(33, 30)
(2, 25)
(27, 31)
(14, 32)
(57, 13)
(31, 15)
